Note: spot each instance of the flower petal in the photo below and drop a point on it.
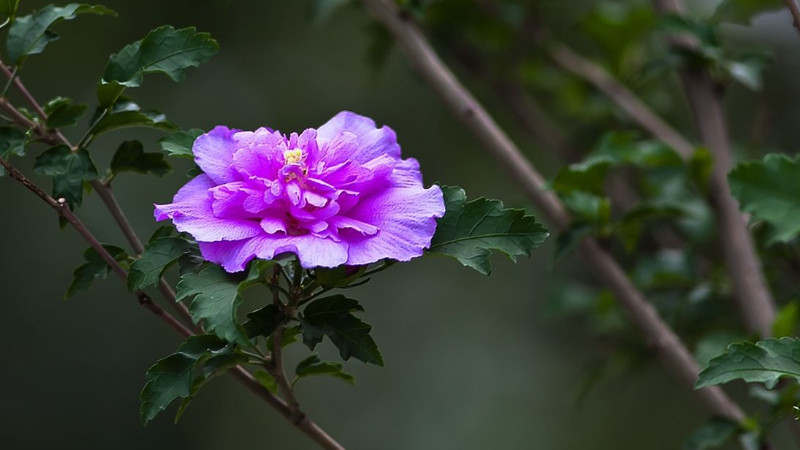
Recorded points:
(191, 212)
(312, 251)
(405, 218)
(372, 141)
(213, 152)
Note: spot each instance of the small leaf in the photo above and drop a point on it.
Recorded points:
(215, 300)
(131, 157)
(338, 277)
(312, 366)
(770, 190)
(469, 231)
(179, 144)
(157, 257)
(743, 11)
(69, 171)
(95, 267)
(29, 35)
(288, 337)
(268, 381)
(128, 114)
(713, 434)
(165, 50)
(331, 316)
(180, 375)
(12, 142)
(763, 362)
(62, 112)
(263, 322)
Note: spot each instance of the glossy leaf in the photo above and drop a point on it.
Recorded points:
(770, 190)
(164, 50)
(763, 362)
(469, 231)
(69, 171)
(332, 316)
(30, 34)
(126, 114)
(63, 112)
(158, 256)
(94, 268)
(215, 301)
(181, 374)
(263, 322)
(313, 366)
(179, 144)
(131, 157)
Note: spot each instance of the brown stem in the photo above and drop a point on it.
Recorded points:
(795, 12)
(669, 347)
(744, 267)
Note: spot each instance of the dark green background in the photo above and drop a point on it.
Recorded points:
(471, 362)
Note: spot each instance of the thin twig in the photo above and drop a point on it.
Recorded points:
(277, 352)
(795, 12)
(744, 267)
(669, 347)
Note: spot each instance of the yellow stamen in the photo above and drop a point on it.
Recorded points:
(292, 156)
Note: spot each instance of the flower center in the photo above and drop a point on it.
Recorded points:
(293, 156)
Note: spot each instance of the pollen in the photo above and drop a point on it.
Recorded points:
(292, 156)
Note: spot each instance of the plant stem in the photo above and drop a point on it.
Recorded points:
(744, 267)
(664, 341)
(277, 352)
(795, 12)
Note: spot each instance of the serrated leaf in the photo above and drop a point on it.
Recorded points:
(179, 144)
(69, 171)
(131, 157)
(332, 316)
(29, 35)
(180, 374)
(126, 114)
(469, 231)
(713, 434)
(165, 50)
(763, 362)
(95, 267)
(12, 142)
(313, 366)
(264, 321)
(157, 257)
(743, 11)
(63, 112)
(770, 190)
(268, 381)
(215, 300)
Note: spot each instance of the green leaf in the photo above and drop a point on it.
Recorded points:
(268, 381)
(158, 256)
(95, 267)
(264, 321)
(713, 434)
(165, 50)
(763, 362)
(69, 171)
(338, 277)
(62, 112)
(312, 366)
(215, 300)
(587, 176)
(180, 374)
(785, 323)
(12, 142)
(469, 231)
(179, 144)
(770, 190)
(126, 113)
(29, 35)
(743, 11)
(332, 316)
(289, 336)
(131, 157)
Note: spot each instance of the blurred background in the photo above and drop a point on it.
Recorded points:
(472, 362)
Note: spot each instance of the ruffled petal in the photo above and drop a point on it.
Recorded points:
(312, 251)
(213, 152)
(405, 218)
(191, 212)
(372, 141)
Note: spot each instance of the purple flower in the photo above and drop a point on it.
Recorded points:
(337, 195)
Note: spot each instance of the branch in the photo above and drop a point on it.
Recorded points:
(669, 347)
(795, 12)
(744, 267)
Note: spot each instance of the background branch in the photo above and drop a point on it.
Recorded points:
(669, 347)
